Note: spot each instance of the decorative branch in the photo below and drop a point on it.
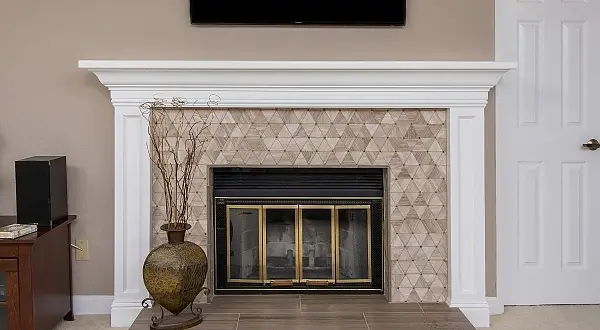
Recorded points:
(177, 142)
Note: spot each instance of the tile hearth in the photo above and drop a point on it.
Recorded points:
(304, 312)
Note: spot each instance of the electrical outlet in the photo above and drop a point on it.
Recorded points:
(82, 254)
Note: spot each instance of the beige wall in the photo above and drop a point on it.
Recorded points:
(49, 106)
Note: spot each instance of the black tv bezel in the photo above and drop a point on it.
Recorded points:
(336, 23)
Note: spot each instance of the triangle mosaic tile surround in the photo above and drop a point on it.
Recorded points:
(411, 143)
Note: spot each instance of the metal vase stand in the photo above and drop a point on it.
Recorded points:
(175, 322)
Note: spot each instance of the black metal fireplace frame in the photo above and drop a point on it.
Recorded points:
(297, 186)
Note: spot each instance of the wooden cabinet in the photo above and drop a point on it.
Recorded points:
(9, 293)
(36, 289)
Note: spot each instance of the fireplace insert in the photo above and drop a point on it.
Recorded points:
(291, 229)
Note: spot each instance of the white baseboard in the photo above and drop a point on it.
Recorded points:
(478, 313)
(124, 312)
(478, 316)
(90, 305)
(496, 306)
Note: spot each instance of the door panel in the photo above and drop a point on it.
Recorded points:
(547, 182)
(279, 243)
(574, 222)
(317, 246)
(244, 225)
(353, 243)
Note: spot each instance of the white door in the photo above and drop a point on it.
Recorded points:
(548, 184)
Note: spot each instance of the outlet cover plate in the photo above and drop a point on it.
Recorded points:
(83, 254)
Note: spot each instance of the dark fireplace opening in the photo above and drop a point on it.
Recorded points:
(280, 230)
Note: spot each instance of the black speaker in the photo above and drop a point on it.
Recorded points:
(41, 189)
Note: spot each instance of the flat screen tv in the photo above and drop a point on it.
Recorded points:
(291, 12)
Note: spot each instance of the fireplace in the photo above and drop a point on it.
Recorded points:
(298, 229)
(460, 90)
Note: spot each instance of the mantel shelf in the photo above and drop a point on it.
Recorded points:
(321, 83)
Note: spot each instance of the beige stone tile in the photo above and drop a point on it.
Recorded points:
(412, 142)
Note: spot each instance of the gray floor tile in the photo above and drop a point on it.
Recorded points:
(309, 321)
(397, 321)
(346, 303)
(210, 321)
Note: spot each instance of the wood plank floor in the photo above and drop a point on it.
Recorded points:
(322, 312)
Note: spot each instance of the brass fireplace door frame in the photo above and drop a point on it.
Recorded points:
(335, 237)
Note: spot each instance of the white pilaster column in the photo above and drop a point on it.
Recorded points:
(132, 213)
(467, 214)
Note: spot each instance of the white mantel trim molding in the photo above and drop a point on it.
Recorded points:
(460, 86)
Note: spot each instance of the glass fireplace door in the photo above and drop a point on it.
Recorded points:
(317, 237)
(353, 243)
(244, 227)
(296, 245)
(280, 244)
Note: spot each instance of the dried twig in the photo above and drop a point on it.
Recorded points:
(176, 145)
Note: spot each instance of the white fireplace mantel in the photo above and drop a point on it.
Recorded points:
(462, 87)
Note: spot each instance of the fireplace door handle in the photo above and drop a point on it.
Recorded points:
(592, 144)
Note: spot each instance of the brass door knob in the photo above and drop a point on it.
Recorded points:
(592, 144)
